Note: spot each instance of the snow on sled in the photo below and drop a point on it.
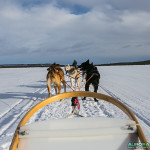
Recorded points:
(78, 133)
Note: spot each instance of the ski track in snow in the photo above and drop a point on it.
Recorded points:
(145, 120)
(142, 119)
(12, 116)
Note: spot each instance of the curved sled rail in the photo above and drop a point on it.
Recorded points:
(99, 96)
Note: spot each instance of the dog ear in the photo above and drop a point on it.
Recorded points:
(74, 63)
(88, 61)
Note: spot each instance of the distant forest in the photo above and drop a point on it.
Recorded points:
(147, 62)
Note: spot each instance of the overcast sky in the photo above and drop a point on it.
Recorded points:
(47, 31)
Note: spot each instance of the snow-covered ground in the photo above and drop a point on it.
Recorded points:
(22, 88)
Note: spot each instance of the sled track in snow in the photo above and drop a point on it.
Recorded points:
(17, 111)
(21, 100)
(145, 120)
(4, 114)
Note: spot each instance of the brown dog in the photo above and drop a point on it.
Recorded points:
(55, 76)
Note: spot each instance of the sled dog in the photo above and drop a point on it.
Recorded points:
(91, 71)
(74, 74)
(55, 76)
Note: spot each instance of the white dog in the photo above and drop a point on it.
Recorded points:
(74, 74)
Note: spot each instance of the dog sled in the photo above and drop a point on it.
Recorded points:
(80, 132)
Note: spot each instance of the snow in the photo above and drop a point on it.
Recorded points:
(22, 88)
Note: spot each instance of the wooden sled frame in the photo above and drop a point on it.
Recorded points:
(99, 96)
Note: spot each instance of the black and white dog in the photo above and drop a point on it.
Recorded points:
(90, 70)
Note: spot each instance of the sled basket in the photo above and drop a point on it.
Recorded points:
(79, 133)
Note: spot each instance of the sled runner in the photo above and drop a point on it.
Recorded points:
(79, 133)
